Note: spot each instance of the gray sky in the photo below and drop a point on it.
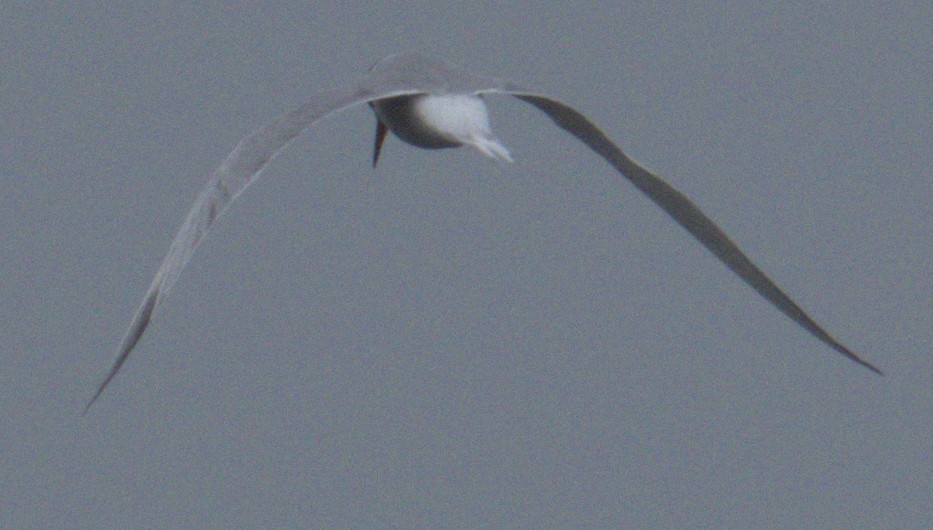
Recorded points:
(446, 340)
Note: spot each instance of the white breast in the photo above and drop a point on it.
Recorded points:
(438, 121)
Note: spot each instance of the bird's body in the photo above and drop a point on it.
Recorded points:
(440, 121)
(431, 104)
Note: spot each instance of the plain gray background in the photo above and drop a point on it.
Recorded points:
(446, 341)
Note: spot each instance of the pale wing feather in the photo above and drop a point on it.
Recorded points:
(238, 170)
(393, 76)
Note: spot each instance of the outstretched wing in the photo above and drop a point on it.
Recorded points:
(682, 209)
(393, 76)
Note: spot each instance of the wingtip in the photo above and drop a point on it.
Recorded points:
(100, 390)
(103, 385)
(88, 406)
(852, 355)
(133, 334)
(870, 366)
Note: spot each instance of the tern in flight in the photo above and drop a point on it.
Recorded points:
(432, 104)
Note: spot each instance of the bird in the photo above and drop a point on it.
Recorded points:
(432, 104)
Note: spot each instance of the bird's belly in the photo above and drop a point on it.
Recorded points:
(416, 123)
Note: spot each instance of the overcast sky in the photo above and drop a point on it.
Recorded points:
(448, 341)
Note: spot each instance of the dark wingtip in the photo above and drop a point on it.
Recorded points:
(867, 364)
(839, 347)
(97, 394)
(137, 327)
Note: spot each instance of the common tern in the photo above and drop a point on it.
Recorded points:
(432, 104)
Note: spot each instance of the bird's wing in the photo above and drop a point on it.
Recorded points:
(682, 209)
(393, 76)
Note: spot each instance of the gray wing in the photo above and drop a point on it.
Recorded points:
(393, 76)
(682, 209)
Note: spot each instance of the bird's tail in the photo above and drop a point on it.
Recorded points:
(491, 147)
